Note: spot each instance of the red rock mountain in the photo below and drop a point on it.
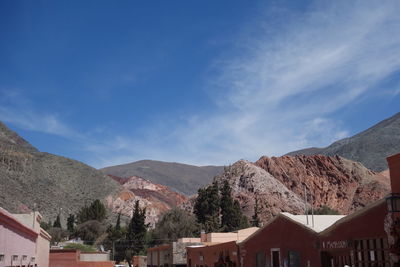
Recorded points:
(279, 182)
(155, 197)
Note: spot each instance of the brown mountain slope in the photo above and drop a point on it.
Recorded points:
(278, 183)
(31, 179)
(183, 178)
(370, 147)
(156, 198)
(337, 182)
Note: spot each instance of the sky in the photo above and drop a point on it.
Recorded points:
(197, 82)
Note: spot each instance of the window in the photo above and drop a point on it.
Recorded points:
(1, 257)
(24, 257)
(14, 257)
(260, 259)
(33, 259)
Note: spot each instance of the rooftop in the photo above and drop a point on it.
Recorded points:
(321, 222)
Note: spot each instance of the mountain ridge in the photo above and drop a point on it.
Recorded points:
(370, 147)
(183, 178)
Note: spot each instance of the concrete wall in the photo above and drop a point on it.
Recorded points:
(43, 249)
(94, 256)
(179, 254)
(15, 239)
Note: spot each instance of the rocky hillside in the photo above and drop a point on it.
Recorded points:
(30, 179)
(156, 198)
(279, 182)
(183, 178)
(370, 147)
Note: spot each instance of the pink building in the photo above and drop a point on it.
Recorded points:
(22, 241)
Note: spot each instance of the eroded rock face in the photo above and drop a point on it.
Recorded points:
(341, 184)
(156, 198)
(279, 183)
(249, 182)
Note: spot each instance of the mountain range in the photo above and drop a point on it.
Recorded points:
(370, 147)
(183, 178)
(336, 177)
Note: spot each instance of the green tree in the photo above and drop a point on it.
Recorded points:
(174, 224)
(118, 224)
(96, 211)
(255, 218)
(89, 231)
(228, 223)
(45, 225)
(207, 207)
(325, 210)
(71, 223)
(232, 217)
(57, 222)
(136, 233)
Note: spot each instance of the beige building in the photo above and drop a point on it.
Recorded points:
(174, 254)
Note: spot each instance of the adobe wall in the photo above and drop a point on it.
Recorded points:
(284, 235)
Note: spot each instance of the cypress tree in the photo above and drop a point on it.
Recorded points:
(255, 218)
(206, 208)
(137, 229)
(57, 222)
(227, 208)
(118, 224)
(71, 223)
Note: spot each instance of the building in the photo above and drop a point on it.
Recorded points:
(159, 256)
(217, 249)
(370, 236)
(33, 220)
(139, 261)
(175, 254)
(22, 241)
(286, 240)
(76, 258)
(209, 255)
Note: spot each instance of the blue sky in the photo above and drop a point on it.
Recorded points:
(198, 82)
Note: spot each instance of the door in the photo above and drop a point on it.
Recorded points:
(275, 258)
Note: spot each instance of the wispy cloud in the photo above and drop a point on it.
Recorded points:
(17, 109)
(276, 92)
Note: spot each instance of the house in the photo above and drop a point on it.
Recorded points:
(370, 236)
(22, 241)
(286, 240)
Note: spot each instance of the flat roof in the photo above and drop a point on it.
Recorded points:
(321, 222)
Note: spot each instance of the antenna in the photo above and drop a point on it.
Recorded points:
(312, 210)
(305, 203)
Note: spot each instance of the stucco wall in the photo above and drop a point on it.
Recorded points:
(43, 249)
(285, 235)
(15, 241)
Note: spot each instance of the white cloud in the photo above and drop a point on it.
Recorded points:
(276, 91)
(17, 109)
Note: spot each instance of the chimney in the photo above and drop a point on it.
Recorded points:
(203, 236)
(394, 168)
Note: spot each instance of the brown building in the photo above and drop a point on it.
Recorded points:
(287, 240)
